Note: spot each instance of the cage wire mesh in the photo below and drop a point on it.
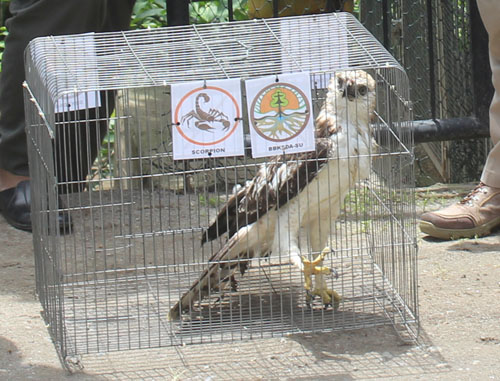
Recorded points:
(432, 41)
(99, 125)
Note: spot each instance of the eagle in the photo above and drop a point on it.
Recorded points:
(294, 192)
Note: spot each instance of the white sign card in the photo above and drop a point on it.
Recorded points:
(280, 114)
(78, 101)
(206, 119)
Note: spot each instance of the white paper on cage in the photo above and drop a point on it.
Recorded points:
(69, 63)
(313, 46)
(78, 101)
(206, 119)
(280, 114)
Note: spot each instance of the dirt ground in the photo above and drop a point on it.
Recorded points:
(459, 339)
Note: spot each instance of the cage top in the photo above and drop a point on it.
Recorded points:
(244, 49)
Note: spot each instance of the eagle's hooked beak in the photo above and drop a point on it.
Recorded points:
(349, 91)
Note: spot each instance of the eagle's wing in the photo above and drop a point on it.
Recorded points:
(274, 185)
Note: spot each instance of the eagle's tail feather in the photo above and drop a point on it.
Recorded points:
(219, 273)
(200, 289)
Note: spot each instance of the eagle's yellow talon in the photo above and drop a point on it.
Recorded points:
(316, 267)
(325, 294)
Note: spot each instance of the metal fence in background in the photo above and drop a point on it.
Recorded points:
(443, 48)
(189, 11)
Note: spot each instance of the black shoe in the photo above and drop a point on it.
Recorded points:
(15, 205)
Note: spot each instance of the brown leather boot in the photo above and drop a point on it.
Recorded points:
(475, 216)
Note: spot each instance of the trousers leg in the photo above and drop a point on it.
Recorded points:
(490, 13)
(32, 19)
(79, 134)
(35, 18)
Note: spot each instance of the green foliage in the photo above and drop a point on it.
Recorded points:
(213, 202)
(202, 12)
(3, 34)
(148, 14)
(152, 14)
(356, 6)
(4, 13)
(241, 10)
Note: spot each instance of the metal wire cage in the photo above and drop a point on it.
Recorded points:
(100, 148)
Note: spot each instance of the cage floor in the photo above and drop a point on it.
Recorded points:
(130, 312)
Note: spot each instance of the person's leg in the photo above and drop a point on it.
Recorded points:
(34, 18)
(118, 15)
(80, 133)
(490, 13)
(479, 212)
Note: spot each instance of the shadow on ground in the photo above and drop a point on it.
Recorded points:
(361, 354)
(15, 367)
(475, 247)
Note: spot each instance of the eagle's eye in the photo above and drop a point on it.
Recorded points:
(362, 90)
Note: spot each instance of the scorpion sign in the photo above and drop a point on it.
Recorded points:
(207, 119)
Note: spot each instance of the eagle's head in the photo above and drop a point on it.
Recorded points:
(354, 86)
(350, 100)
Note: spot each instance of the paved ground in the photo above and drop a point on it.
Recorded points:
(459, 310)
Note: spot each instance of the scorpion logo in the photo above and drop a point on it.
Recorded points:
(204, 120)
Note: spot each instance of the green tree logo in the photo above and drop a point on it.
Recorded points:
(280, 112)
(279, 99)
